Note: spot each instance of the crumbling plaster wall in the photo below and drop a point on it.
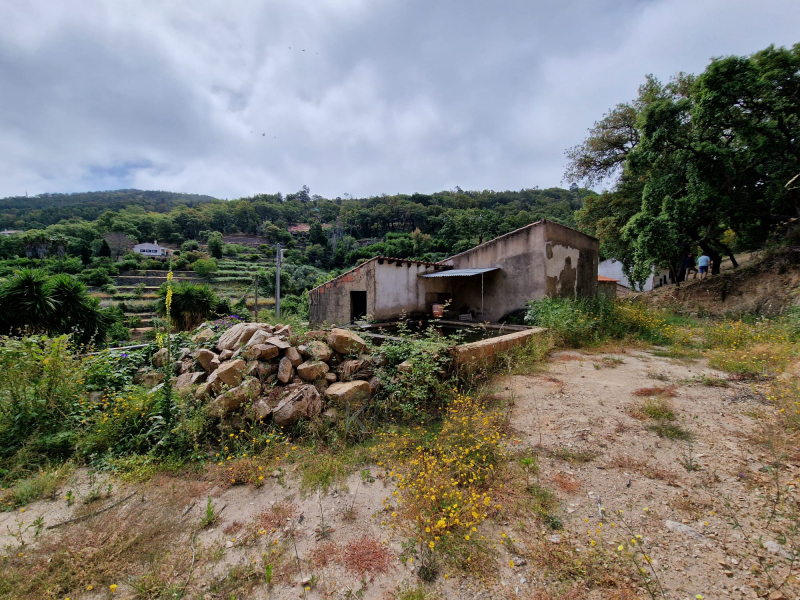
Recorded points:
(330, 303)
(402, 290)
(393, 287)
(544, 259)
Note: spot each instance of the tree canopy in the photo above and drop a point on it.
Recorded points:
(695, 158)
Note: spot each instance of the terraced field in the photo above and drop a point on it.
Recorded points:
(137, 290)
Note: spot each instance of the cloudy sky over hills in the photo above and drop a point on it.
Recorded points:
(232, 98)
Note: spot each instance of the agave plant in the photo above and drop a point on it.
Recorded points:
(33, 302)
(26, 303)
(191, 304)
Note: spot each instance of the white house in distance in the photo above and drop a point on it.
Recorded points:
(612, 269)
(152, 250)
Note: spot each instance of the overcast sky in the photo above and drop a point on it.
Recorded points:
(233, 97)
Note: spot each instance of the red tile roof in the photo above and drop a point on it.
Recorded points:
(602, 278)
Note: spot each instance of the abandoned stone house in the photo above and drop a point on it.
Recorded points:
(487, 283)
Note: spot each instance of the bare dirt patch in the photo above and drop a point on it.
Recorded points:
(701, 504)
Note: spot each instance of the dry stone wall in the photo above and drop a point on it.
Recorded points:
(266, 372)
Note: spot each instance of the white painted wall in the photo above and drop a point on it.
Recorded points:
(613, 268)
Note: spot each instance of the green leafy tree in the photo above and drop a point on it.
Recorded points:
(104, 250)
(695, 158)
(316, 235)
(215, 244)
(205, 267)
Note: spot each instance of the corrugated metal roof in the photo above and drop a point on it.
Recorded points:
(461, 272)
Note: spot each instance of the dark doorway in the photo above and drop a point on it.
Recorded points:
(358, 305)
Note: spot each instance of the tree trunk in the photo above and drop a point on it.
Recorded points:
(729, 252)
(716, 257)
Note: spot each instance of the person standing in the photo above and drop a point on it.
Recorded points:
(702, 264)
(688, 266)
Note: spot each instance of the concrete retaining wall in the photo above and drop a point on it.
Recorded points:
(483, 352)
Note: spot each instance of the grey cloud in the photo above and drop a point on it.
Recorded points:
(387, 96)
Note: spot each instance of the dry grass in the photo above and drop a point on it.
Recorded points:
(657, 408)
(574, 456)
(692, 506)
(580, 572)
(665, 392)
(657, 376)
(276, 515)
(626, 462)
(568, 357)
(566, 483)
(366, 557)
(124, 545)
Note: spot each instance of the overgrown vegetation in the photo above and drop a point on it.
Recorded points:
(593, 321)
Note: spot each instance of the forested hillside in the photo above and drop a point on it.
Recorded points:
(418, 225)
(23, 212)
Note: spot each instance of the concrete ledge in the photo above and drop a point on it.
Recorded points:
(483, 351)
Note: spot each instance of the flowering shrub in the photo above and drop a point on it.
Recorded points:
(444, 482)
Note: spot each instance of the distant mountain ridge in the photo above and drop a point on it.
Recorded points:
(48, 209)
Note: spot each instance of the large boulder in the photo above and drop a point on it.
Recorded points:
(148, 379)
(160, 358)
(346, 342)
(259, 336)
(285, 331)
(205, 358)
(285, 370)
(203, 390)
(237, 336)
(316, 335)
(231, 372)
(204, 336)
(319, 350)
(348, 392)
(261, 409)
(301, 402)
(261, 352)
(293, 355)
(187, 380)
(278, 342)
(311, 370)
(234, 398)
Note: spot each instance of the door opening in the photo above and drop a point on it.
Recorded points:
(358, 305)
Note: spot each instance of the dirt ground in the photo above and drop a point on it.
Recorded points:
(576, 414)
(583, 402)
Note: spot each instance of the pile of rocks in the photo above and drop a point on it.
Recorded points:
(273, 373)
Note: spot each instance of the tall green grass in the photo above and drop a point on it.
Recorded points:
(576, 322)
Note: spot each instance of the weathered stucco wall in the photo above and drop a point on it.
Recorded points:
(393, 287)
(401, 289)
(544, 259)
(572, 260)
(330, 303)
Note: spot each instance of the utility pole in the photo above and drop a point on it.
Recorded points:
(278, 283)
(255, 307)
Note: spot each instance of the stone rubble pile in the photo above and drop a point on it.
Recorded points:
(272, 373)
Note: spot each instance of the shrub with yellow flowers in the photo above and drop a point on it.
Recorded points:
(444, 481)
